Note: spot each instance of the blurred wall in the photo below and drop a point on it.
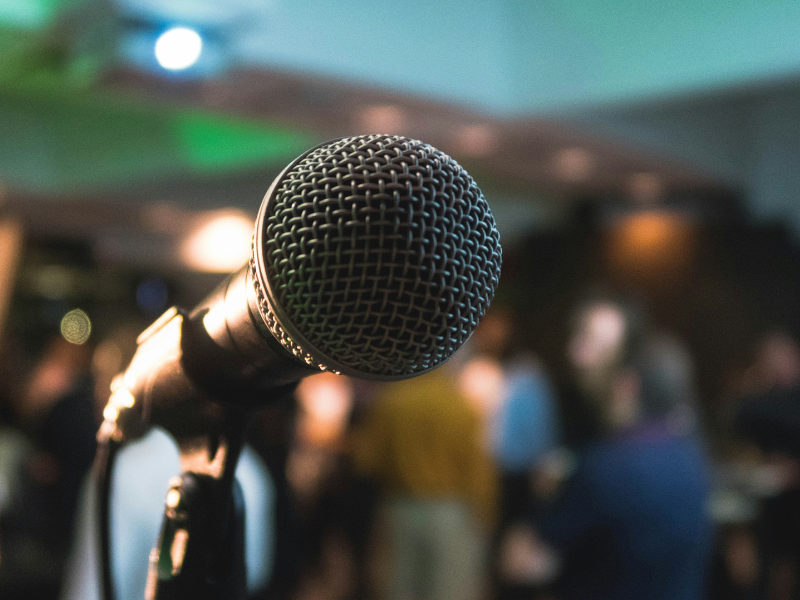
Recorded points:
(519, 57)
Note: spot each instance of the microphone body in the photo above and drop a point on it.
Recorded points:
(373, 256)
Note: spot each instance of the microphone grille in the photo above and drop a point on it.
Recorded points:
(379, 256)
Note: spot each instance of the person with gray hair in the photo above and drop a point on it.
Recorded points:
(631, 520)
(666, 376)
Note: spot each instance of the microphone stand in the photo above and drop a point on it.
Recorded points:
(197, 373)
(200, 552)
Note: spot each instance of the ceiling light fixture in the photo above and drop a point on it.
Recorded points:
(178, 48)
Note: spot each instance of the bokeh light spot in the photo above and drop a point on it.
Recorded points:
(222, 244)
(76, 326)
(178, 48)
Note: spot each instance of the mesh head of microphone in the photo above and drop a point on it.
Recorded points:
(375, 256)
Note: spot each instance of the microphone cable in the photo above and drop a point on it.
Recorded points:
(107, 448)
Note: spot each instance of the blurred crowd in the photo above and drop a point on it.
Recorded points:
(488, 478)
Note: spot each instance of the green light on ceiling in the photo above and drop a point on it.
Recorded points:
(212, 142)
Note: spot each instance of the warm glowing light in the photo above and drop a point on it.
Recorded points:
(178, 48)
(326, 400)
(110, 412)
(477, 140)
(481, 381)
(123, 398)
(76, 326)
(651, 245)
(573, 164)
(387, 119)
(117, 382)
(173, 498)
(178, 550)
(649, 233)
(221, 245)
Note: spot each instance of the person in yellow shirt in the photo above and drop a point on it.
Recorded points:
(424, 445)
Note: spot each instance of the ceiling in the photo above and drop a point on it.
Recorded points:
(542, 102)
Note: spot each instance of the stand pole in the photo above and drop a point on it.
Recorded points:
(200, 552)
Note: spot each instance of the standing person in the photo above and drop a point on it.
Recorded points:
(54, 409)
(423, 443)
(522, 417)
(770, 416)
(631, 520)
(513, 390)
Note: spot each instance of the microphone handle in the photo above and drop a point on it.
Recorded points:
(190, 366)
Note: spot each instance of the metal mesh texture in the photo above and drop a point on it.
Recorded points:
(383, 254)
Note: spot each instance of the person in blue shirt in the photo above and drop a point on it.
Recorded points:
(521, 413)
(631, 521)
(526, 425)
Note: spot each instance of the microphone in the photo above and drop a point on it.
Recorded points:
(373, 256)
